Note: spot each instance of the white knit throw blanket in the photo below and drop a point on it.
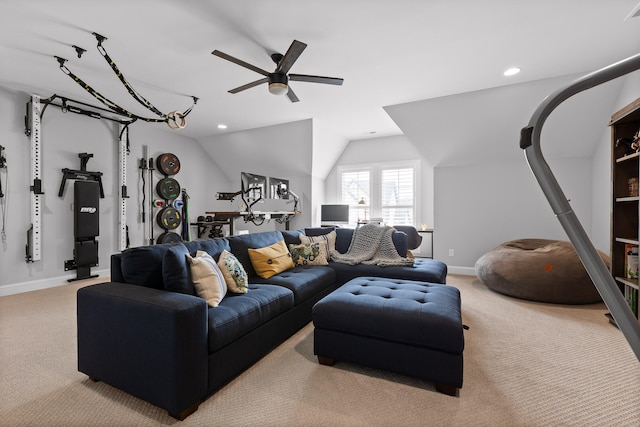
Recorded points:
(371, 244)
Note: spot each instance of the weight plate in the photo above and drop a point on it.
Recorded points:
(168, 164)
(169, 237)
(168, 188)
(168, 218)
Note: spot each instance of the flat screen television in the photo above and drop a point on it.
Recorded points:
(254, 186)
(334, 214)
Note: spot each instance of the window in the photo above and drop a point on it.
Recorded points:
(355, 191)
(387, 191)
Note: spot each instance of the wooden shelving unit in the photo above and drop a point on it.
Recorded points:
(625, 217)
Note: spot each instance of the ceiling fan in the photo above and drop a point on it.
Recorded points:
(279, 79)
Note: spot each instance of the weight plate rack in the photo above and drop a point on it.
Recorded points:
(168, 189)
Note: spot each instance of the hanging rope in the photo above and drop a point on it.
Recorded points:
(175, 119)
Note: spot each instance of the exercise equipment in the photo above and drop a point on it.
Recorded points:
(168, 164)
(169, 218)
(87, 192)
(175, 119)
(593, 263)
(3, 199)
(33, 117)
(86, 227)
(81, 174)
(32, 130)
(186, 232)
(168, 188)
(169, 237)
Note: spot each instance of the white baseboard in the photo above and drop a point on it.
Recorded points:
(465, 271)
(35, 285)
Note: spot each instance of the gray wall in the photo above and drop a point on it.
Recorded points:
(63, 136)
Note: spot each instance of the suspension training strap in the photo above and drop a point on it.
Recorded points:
(141, 99)
(110, 104)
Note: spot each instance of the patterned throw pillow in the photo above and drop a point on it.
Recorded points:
(207, 278)
(233, 272)
(309, 253)
(271, 260)
(329, 240)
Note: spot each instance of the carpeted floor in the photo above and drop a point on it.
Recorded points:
(526, 364)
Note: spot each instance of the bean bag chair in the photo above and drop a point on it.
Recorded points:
(538, 270)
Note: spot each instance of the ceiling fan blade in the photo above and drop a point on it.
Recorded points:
(295, 50)
(292, 96)
(240, 62)
(249, 85)
(316, 79)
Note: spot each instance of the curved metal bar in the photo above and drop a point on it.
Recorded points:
(595, 266)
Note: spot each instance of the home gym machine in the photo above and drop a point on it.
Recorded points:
(595, 266)
(87, 192)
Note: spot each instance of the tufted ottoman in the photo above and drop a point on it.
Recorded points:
(403, 326)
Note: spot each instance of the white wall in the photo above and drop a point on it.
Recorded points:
(386, 149)
(63, 137)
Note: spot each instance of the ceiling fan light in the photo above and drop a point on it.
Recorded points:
(278, 88)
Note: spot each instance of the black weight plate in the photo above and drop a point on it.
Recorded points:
(168, 188)
(168, 218)
(168, 237)
(168, 164)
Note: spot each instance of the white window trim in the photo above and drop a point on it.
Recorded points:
(375, 204)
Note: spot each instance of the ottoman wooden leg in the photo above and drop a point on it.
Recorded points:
(326, 361)
(447, 389)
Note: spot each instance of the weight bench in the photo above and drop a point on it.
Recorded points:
(402, 326)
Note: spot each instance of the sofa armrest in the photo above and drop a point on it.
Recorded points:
(147, 342)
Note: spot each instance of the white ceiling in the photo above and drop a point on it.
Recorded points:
(388, 52)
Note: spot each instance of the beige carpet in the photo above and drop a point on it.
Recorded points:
(526, 364)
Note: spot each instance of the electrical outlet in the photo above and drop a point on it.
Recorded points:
(451, 252)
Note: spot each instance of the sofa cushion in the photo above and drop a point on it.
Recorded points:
(242, 243)
(143, 265)
(318, 231)
(237, 315)
(309, 253)
(207, 278)
(303, 281)
(271, 260)
(345, 235)
(233, 272)
(213, 247)
(424, 270)
(292, 237)
(175, 270)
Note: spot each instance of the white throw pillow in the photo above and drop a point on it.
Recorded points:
(207, 278)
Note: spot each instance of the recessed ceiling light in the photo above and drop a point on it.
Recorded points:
(221, 126)
(512, 71)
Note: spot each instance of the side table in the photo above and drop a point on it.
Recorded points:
(430, 232)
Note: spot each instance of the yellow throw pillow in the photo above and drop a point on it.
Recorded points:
(271, 260)
(207, 278)
(234, 274)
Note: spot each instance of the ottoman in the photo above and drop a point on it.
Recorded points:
(407, 327)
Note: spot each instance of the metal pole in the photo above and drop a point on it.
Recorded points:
(595, 266)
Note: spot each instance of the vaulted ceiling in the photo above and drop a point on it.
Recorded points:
(389, 52)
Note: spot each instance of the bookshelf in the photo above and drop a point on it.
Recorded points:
(625, 215)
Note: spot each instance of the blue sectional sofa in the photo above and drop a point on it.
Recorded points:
(148, 334)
